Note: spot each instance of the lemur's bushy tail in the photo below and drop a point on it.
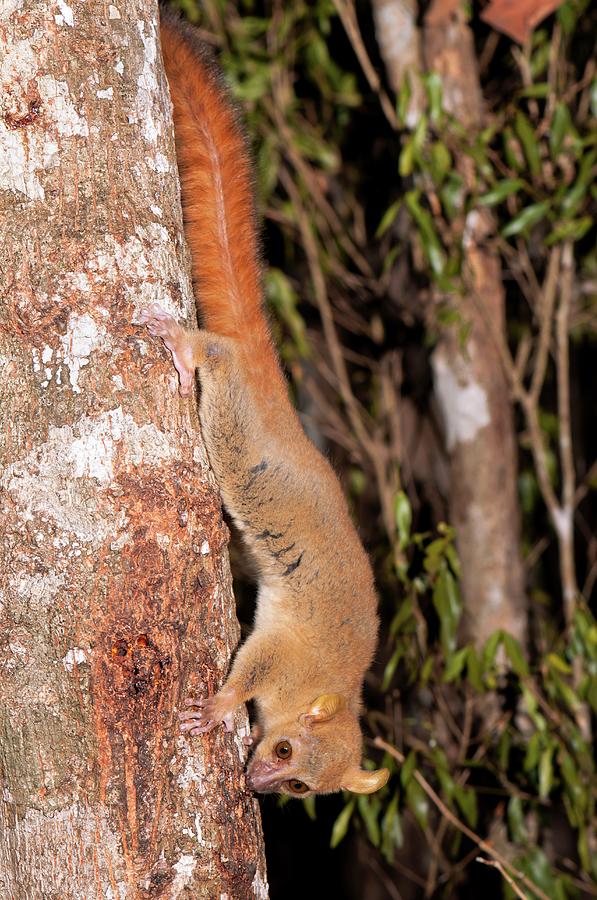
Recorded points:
(217, 197)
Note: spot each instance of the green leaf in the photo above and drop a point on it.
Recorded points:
(532, 707)
(466, 799)
(369, 806)
(391, 667)
(388, 218)
(529, 141)
(404, 516)
(402, 616)
(434, 89)
(512, 150)
(391, 830)
(446, 600)
(515, 655)
(456, 664)
(254, 86)
(516, 821)
(435, 556)
(576, 794)
(566, 693)
(408, 768)
(309, 807)
(529, 216)
(407, 158)
(426, 671)
(574, 197)
(539, 90)
(403, 101)
(546, 773)
(440, 162)
(556, 662)
(540, 871)
(533, 753)
(283, 298)
(474, 671)
(420, 135)
(342, 822)
(583, 850)
(567, 16)
(490, 649)
(573, 230)
(447, 782)
(429, 238)
(452, 557)
(504, 747)
(452, 195)
(503, 189)
(417, 802)
(561, 125)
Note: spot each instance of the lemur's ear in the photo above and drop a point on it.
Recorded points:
(363, 781)
(324, 708)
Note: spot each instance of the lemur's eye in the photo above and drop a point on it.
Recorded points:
(283, 750)
(297, 787)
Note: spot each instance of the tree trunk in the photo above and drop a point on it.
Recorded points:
(115, 592)
(471, 385)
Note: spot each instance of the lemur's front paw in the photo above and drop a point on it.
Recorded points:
(207, 713)
(162, 324)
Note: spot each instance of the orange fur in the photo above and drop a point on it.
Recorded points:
(316, 623)
(217, 197)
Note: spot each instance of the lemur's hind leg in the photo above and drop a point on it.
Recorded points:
(190, 348)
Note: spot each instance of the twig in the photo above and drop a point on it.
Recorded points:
(390, 887)
(566, 530)
(333, 223)
(465, 737)
(483, 845)
(351, 26)
(496, 865)
(549, 292)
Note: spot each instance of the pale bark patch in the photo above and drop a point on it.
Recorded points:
(37, 591)
(74, 657)
(74, 453)
(82, 337)
(463, 402)
(60, 108)
(184, 869)
(148, 88)
(66, 14)
(8, 7)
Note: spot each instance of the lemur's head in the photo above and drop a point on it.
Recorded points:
(316, 752)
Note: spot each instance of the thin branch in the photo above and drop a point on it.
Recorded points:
(566, 530)
(389, 886)
(496, 865)
(349, 19)
(483, 845)
(548, 302)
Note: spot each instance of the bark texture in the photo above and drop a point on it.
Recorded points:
(115, 592)
(471, 385)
